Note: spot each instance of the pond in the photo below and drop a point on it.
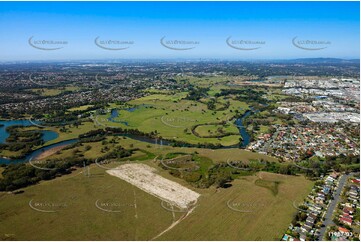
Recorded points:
(47, 134)
(114, 117)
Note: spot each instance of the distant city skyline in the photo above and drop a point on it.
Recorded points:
(178, 30)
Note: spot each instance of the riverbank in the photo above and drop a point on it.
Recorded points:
(38, 152)
(49, 152)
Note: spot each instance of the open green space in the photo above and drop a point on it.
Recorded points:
(74, 198)
(81, 108)
(270, 185)
(212, 219)
(53, 91)
(218, 215)
(174, 120)
(235, 204)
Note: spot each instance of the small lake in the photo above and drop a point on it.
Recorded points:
(4, 124)
(114, 117)
(47, 134)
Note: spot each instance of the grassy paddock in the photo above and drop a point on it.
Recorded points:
(78, 218)
(267, 216)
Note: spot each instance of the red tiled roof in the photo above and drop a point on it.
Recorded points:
(345, 219)
(343, 230)
(347, 210)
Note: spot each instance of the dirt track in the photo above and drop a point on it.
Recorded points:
(145, 178)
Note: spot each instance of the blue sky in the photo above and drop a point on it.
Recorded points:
(274, 24)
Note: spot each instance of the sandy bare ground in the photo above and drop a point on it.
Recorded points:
(145, 178)
(49, 152)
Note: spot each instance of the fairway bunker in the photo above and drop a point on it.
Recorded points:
(145, 178)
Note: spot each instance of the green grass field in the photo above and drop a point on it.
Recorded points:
(210, 129)
(76, 217)
(267, 216)
(81, 108)
(217, 155)
(271, 185)
(175, 119)
(72, 132)
(74, 197)
(53, 91)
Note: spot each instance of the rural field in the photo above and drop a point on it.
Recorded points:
(103, 207)
(245, 211)
(73, 198)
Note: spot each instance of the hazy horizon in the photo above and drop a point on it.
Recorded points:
(204, 30)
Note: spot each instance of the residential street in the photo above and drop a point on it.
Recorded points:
(328, 217)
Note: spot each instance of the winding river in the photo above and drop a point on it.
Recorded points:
(246, 138)
(51, 135)
(36, 153)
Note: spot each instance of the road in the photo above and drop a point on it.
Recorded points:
(331, 207)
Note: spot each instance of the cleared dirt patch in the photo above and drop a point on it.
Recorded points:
(145, 178)
(49, 152)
